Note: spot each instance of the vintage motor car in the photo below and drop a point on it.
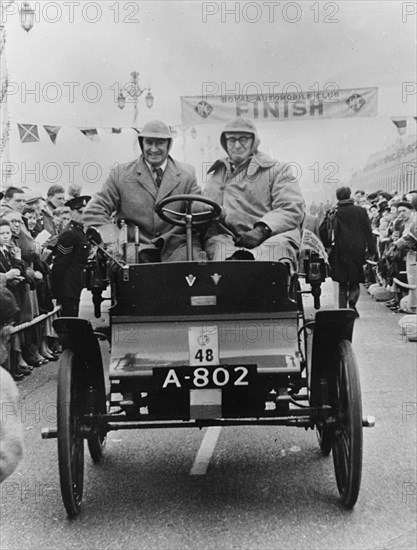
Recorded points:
(200, 343)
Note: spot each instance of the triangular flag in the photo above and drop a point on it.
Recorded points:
(112, 130)
(401, 124)
(91, 133)
(28, 132)
(52, 132)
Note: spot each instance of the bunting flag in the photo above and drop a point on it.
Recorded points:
(91, 133)
(401, 124)
(112, 130)
(28, 133)
(52, 132)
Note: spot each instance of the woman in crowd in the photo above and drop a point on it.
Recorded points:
(24, 251)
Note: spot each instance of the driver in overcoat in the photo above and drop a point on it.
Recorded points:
(132, 190)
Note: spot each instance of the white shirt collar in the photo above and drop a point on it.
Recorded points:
(152, 168)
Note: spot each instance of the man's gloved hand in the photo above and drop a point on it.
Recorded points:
(93, 235)
(252, 238)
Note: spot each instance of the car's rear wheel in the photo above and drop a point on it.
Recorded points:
(71, 406)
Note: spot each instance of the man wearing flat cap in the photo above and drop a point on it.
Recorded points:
(132, 190)
(69, 264)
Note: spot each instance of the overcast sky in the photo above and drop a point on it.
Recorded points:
(179, 46)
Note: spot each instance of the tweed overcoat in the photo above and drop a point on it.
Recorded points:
(130, 191)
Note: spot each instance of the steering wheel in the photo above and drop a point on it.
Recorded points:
(188, 218)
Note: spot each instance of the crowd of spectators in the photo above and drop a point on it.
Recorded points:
(29, 230)
(393, 218)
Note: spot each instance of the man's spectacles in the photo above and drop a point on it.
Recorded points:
(243, 140)
(17, 222)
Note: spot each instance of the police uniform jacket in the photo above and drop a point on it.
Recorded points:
(69, 264)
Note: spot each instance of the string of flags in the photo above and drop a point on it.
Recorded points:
(29, 133)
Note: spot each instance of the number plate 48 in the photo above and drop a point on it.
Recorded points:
(203, 343)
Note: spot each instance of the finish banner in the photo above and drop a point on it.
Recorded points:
(312, 105)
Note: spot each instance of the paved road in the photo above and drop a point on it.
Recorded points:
(264, 487)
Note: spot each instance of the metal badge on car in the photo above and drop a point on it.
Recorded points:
(216, 278)
(190, 279)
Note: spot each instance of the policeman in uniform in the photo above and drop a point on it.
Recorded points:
(72, 253)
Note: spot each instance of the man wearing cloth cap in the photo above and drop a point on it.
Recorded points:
(133, 189)
(262, 203)
(69, 264)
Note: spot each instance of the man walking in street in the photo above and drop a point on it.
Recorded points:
(352, 237)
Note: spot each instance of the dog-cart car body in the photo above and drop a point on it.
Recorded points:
(200, 343)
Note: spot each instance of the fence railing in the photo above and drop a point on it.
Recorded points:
(51, 315)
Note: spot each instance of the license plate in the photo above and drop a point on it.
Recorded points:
(230, 376)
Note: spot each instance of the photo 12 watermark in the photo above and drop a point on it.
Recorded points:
(408, 12)
(28, 491)
(269, 12)
(409, 411)
(51, 173)
(408, 491)
(76, 12)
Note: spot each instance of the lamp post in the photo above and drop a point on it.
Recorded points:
(26, 13)
(27, 16)
(27, 19)
(134, 91)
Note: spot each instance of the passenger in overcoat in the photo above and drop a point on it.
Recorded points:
(353, 238)
(132, 190)
(262, 203)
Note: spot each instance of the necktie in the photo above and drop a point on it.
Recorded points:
(158, 176)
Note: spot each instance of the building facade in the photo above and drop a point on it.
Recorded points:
(391, 169)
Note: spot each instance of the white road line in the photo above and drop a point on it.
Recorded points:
(202, 460)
